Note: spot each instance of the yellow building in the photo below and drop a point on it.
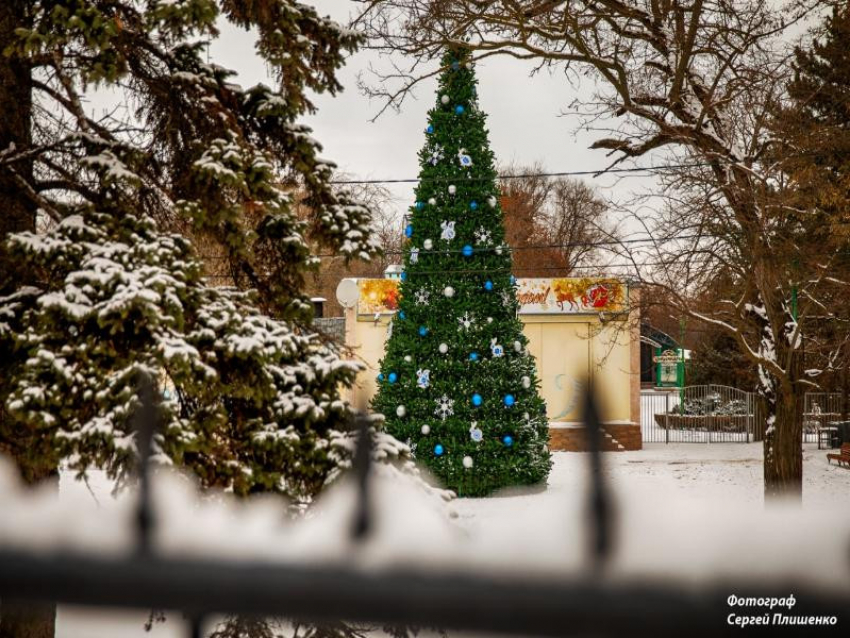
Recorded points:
(579, 331)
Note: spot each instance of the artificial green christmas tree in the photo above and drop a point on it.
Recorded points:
(457, 381)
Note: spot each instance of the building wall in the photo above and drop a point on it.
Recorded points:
(569, 351)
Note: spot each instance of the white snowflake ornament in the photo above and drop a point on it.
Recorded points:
(507, 298)
(423, 378)
(464, 159)
(414, 255)
(421, 297)
(445, 407)
(496, 349)
(475, 432)
(483, 236)
(466, 321)
(436, 155)
(448, 230)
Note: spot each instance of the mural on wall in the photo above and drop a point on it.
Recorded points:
(585, 295)
(571, 296)
(377, 296)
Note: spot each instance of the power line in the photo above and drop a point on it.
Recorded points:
(459, 180)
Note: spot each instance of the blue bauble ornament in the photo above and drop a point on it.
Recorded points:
(509, 400)
(513, 280)
(430, 129)
(473, 205)
(404, 276)
(467, 251)
(473, 356)
(508, 440)
(438, 449)
(488, 285)
(401, 314)
(459, 109)
(380, 378)
(420, 205)
(408, 230)
(477, 400)
(455, 65)
(393, 377)
(423, 331)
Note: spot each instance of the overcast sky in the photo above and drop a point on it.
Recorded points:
(526, 119)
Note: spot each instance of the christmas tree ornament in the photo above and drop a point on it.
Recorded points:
(526, 382)
(507, 298)
(402, 315)
(491, 201)
(463, 158)
(408, 231)
(444, 99)
(427, 244)
(423, 378)
(477, 400)
(438, 449)
(432, 201)
(408, 358)
(498, 250)
(449, 292)
(393, 377)
(420, 205)
(467, 462)
(482, 236)
(436, 155)
(496, 349)
(508, 440)
(473, 356)
(475, 432)
(444, 348)
(426, 430)
(488, 285)
(517, 346)
(452, 189)
(459, 109)
(455, 65)
(380, 378)
(421, 297)
(414, 255)
(390, 326)
(429, 130)
(467, 251)
(445, 407)
(489, 319)
(448, 230)
(466, 321)
(473, 205)
(400, 411)
(509, 400)
(423, 331)
(513, 280)
(403, 276)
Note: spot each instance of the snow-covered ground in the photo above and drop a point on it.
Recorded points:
(699, 479)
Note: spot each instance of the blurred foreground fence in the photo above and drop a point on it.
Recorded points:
(589, 603)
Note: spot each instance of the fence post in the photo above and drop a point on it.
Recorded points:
(667, 417)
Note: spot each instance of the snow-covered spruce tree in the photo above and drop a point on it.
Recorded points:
(109, 289)
(457, 381)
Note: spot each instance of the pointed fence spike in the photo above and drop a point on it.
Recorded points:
(600, 505)
(361, 464)
(144, 423)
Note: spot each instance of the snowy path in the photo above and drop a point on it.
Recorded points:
(687, 474)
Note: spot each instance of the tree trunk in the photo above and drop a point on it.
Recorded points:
(17, 213)
(783, 447)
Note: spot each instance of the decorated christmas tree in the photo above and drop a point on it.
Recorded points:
(457, 381)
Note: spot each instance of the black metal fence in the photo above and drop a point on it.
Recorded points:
(588, 603)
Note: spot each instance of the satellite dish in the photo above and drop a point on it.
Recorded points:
(347, 293)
